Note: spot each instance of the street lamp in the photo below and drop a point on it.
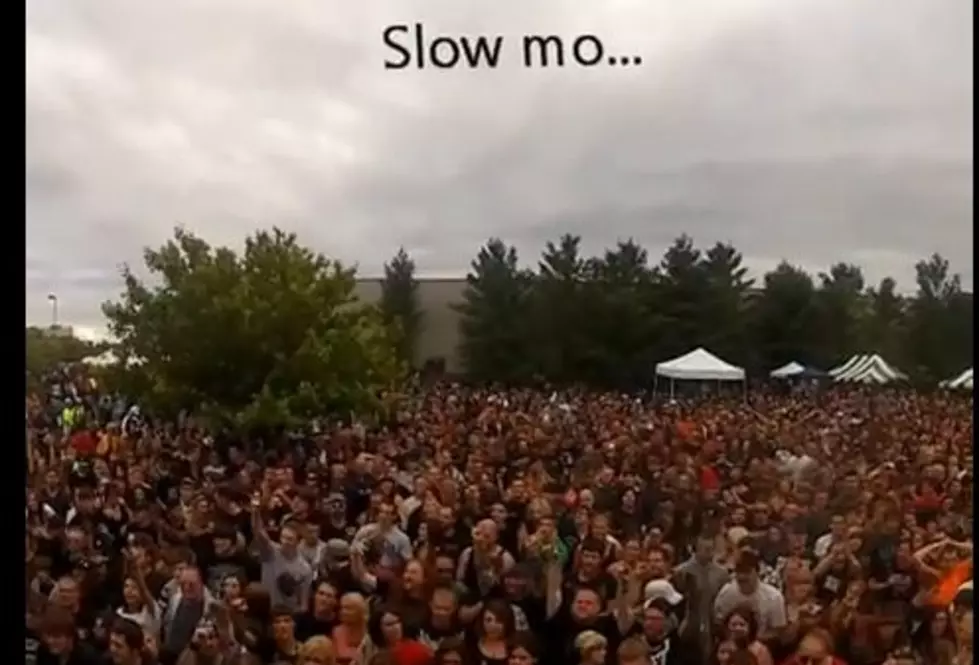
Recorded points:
(53, 299)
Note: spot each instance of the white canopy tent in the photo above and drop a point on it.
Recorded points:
(787, 370)
(108, 359)
(697, 365)
(866, 368)
(962, 382)
(104, 359)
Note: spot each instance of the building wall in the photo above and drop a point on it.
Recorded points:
(439, 335)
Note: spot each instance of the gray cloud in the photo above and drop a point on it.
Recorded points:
(813, 130)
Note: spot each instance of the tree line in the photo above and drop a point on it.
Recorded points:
(274, 334)
(607, 320)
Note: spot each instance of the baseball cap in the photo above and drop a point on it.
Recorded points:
(656, 589)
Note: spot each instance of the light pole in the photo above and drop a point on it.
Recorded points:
(53, 299)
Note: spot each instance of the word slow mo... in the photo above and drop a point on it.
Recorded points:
(411, 47)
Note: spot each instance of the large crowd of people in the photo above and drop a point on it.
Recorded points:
(507, 527)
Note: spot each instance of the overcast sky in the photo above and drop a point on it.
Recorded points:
(811, 130)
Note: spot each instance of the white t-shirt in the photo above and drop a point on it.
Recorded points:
(767, 601)
(821, 547)
(148, 618)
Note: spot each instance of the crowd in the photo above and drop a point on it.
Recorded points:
(509, 527)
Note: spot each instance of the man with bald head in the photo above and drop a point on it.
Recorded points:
(481, 566)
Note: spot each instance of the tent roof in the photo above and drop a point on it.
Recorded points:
(788, 369)
(700, 365)
(840, 369)
(867, 368)
(797, 370)
(104, 359)
(963, 380)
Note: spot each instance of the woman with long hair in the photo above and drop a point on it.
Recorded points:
(387, 628)
(138, 604)
(232, 588)
(741, 627)
(934, 640)
(250, 615)
(524, 650)
(351, 637)
(493, 628)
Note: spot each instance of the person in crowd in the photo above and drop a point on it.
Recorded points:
(479, 526)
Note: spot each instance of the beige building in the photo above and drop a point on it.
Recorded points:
(438, 339)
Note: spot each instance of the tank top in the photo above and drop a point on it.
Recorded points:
(346, 653)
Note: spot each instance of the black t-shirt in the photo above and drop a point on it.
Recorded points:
(358, 495)
(535, 611)
(561, 630)
(668, 651)
(58, 500)
(883, 556)
(629, 525)
(280, 657)
(432, 636)
(477, 657)
(343, 580)
(330, 530)
(133, 528)
(216, 568)
(832, 585)
(82, 654)
(903, 586)
(604, 584)
(307, 625)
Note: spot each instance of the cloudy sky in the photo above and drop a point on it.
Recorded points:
(814, 130)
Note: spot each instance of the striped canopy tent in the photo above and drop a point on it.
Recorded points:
(866, 368)
(962, 382)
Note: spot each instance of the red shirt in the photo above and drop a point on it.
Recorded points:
(709, 480)
(83, 443)
(924, 503)
(410, 652)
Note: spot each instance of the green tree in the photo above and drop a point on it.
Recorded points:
(840, 300)
(683, 288)
(932, 327)
(623, 319)
(399, 304)
(961, 330)
(884, 327)
(560, 292)
(269, 337)
(727, 290)
(47, 348)
(495, 339)
(784, 317)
